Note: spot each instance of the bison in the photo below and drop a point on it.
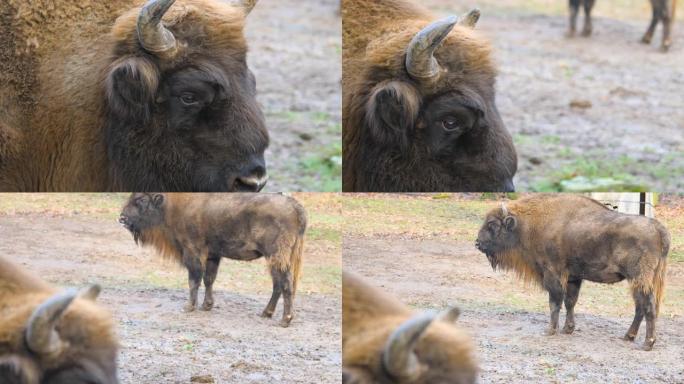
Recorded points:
(158, 99)
(557, 241)
(197, 230)
(419, 111)
(383, 341)
(663, 11)
(51, 336)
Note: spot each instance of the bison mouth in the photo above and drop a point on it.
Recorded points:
(493, 260)
(134, 230)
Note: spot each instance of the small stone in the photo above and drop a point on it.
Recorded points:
(206, 379)
(580, 104)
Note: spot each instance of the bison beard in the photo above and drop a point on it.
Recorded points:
(198, 230)
(557, 241)
(419, 111)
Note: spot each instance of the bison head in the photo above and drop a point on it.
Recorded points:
(426, 348)
(142, 211)
(423, 115)
(67, 339)
(180, 101)
(498, 234)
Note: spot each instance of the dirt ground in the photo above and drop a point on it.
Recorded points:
(295, 49)
(432, 268)
(162, 344)
(627, 130)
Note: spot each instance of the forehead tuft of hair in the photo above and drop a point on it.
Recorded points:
(198, 25)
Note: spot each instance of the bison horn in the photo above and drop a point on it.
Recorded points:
(90, 292)
(152, 34)
(504, 210)
(398, 358)
(41, 336)
(449, 315)
(248, 5)
(420, 60)
(470, 19)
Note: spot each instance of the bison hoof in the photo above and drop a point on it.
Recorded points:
(569, 329)
(648, 345)
(628, 337)
(189, 307)
(267, 314)
(207, 306)
(550, 332)
(285, 322)
(646, 40)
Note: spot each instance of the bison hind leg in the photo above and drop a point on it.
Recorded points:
(276, 276)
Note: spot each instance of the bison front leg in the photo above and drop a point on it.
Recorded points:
(556, 293)
(571, 295)
(574, 10)
(195, 272)
(275, 295)
(209, 277)
(588, 24)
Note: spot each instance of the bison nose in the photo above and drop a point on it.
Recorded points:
(253, 178)
(477, 244)
(123, 219)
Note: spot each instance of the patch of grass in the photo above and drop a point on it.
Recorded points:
(323, 171)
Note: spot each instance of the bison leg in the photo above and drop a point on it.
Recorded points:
(195, 273)
(650, 314)
(648, 36)
(288, 293)
(556, 293)
(574, 10)
(667, 16)
(571, 295)
(275, 296)
(639, 302)
(588, 25)
(209, 278)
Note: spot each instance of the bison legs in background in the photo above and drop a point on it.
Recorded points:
(644, 306)
(195, 274)
(574, 10)
(571, 294)
(282, 284)
(663, 10)
(209, 277)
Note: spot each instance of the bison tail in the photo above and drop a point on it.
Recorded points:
(296, 261)
(659, 283)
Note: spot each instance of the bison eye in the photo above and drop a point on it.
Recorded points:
(450, 124)
(189, 99)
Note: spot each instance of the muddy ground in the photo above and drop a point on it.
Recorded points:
(295, 49)
(628, 128)
(425, 255)
(162, 344)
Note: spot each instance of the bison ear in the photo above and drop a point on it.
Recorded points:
(157, 199)
(131, 86)
(392, 112)
(510, 223)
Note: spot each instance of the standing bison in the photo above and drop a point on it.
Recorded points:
(663, 11)
(158, 99)
(558, 241)
(419, 111)
(197, 230)
(383, 341)
(49, 336)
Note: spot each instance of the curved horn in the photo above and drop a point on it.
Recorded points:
(449, 315)
(248, 5)
(398, 357)
(41, 336)
(470, 19)
(420, 60)
(90, 292)
(152, 34)
(504, 210)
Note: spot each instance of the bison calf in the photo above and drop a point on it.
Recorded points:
(663, 11)
(49, 336)
(197, 230)
(383, 341)
(558, 241)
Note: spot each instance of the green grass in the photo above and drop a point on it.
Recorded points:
(323, 171)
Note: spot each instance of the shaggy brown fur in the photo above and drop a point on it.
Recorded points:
(197, 230)
(87, 329)
(370, 316)
(59, 103)
(556, 241)
(376, 35)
